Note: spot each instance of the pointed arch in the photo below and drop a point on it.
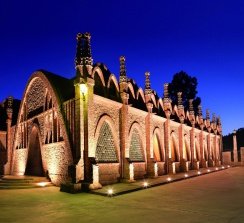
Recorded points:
(98, 71)
(137, 152)
(131, 89)
(197, 149)
(174, 147)
(187, 147)
(113, 79)
(140, 93)
(106, 140)
(39, 82)
(159, 152)
(154, 100)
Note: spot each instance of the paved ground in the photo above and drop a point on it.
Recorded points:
(216, 197)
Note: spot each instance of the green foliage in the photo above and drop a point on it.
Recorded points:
(182, 82)
(228, 140)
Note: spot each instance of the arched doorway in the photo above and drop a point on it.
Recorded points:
(34, 161)
(156, 149)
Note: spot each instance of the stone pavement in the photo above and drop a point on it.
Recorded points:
(216, 197)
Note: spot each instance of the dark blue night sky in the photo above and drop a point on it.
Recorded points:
(203, 38)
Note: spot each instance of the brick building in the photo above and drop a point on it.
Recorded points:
(96, 130)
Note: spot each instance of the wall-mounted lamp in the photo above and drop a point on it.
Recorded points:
(83, 90)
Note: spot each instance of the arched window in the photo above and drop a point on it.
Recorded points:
(106, 151)
(136, 154)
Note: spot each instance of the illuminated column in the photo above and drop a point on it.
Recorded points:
(215, 147)
(124, 147)
(78, 169)
(219, 127)
(235, 153)
(208, 126)
(89, 144)
(82, 169)
(149, 134)
(181, 115)
(167, 110)
(192, 134)
(201, 142)
(7, 166)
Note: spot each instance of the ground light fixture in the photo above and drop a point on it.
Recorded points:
(42, 184)
(110, 192)
(216, 168)
(169, 179)
(209, 170)
(145, 184)
(228, 166)
(222, 167)
(186, 175)
(198, 172)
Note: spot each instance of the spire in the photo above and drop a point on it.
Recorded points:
(166, 92)
(179, 96)
(10, 107)
(214, 118)
(83, 49)
(207, 115)
(122, 72)
(200, 110)
(191, 110)
(148, 89)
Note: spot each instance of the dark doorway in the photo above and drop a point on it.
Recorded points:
(34, 162)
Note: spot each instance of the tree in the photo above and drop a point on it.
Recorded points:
(182, 82)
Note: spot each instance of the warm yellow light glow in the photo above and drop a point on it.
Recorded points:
(42, 184)
(216, 168)
(168, 179)
(145, 184)
(186, 175)
(209, 170)
(223, 167)
(228, 166)
(198, 172)
(83, 89)
(110, 192)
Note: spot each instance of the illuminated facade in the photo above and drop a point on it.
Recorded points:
(97, 130)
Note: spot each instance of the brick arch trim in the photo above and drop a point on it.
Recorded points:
(99, 73)
(57, 101)
(113, 78)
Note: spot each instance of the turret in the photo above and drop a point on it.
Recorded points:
(83, 53)
(167, 101)
(148, 90)
(122, 75)
(181, 113)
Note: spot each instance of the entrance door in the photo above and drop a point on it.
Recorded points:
(34, 162)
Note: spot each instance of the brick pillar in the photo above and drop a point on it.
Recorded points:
(216, 152)
(77, 171)
(88, 131)
(124, 132)
(149, 142)
(202, 158)
(167, 145)
(192, 147)
(210, 151)
(235, 153)
(7, 166)
(183, 160)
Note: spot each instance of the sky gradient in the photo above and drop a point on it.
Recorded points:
(203, 38)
